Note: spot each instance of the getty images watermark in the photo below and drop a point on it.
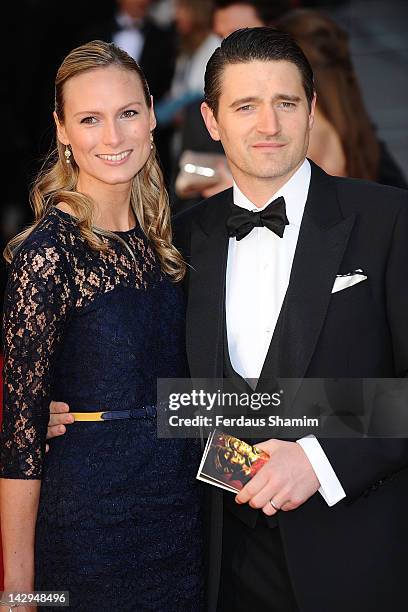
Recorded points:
(283, 408)
(214, 401)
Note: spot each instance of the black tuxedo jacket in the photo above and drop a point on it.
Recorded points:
(351, 556)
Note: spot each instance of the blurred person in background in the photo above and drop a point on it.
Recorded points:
(151, 45)
(196, 44)
(94, 314)
(231, 15)
(343, 140)
(181, 109)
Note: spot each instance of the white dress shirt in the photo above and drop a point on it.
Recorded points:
(258, 271)
(190, 69)
(130, 37)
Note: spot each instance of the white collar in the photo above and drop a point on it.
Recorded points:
(125, 21)
(294, 191)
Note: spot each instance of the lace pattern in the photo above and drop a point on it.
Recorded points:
(53, 275)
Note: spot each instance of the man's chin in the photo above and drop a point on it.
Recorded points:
(271, 173)
(276, 170)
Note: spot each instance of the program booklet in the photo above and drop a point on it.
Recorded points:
(229, 463)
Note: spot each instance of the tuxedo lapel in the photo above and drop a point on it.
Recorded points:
(323, 238)
(206, 291)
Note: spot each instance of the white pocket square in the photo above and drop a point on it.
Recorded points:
(343, 281)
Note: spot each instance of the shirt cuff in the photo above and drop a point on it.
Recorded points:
(330, 486)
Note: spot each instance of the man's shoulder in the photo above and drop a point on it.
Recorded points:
(206, 213)
(377, 206)
(362, 196)
(376, 191)
(200, 210)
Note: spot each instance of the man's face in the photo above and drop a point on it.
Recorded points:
(234, 17)
(263, 121)
(136, 9)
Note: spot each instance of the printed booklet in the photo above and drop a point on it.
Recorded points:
(229, 463)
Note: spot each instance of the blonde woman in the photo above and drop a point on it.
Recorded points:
(94, 314)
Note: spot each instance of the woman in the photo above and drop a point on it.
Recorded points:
(343, 140)
(93, 316)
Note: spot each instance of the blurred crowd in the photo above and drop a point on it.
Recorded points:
(172, 40)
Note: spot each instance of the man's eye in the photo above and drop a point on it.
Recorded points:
(89, 120)
(246, 107)
(129, 114)
(287, 105)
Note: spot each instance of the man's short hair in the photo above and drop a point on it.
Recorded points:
(254, 44)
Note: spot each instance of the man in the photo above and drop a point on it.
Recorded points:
(280, 318)
(323, 521)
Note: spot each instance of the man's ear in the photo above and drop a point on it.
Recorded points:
(312, 111)
(210, 121)
(61, 133)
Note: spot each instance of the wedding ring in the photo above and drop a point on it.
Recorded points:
(273, 505)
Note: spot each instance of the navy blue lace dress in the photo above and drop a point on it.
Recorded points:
(119, 523)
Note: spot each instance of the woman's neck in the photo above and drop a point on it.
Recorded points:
(113, 211)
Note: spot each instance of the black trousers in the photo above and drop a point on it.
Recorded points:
(254, 573)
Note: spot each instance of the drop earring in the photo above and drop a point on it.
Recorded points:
(151, 141)
(67, 154)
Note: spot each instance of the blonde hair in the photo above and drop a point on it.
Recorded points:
(57, 180)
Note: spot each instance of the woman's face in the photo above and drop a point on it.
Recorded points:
(107, 124)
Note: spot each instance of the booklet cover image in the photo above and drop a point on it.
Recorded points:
(229, 463)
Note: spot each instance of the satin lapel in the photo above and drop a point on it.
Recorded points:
(323, 238)
(206, 290)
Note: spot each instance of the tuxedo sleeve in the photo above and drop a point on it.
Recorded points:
(362, 465)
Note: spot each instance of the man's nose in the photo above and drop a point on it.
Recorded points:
(268, 121)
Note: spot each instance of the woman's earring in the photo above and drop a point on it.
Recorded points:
(67, 154)
(151, 141)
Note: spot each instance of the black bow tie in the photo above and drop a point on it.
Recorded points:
(242, 221)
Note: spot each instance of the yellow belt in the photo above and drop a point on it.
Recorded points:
(109, 415)
(88, 416)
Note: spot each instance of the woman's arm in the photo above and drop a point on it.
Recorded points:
(37, 303)
(18, 509)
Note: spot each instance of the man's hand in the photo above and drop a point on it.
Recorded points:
(59, 417)
(287, 479)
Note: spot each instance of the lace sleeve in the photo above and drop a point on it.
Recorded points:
(37, 302)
